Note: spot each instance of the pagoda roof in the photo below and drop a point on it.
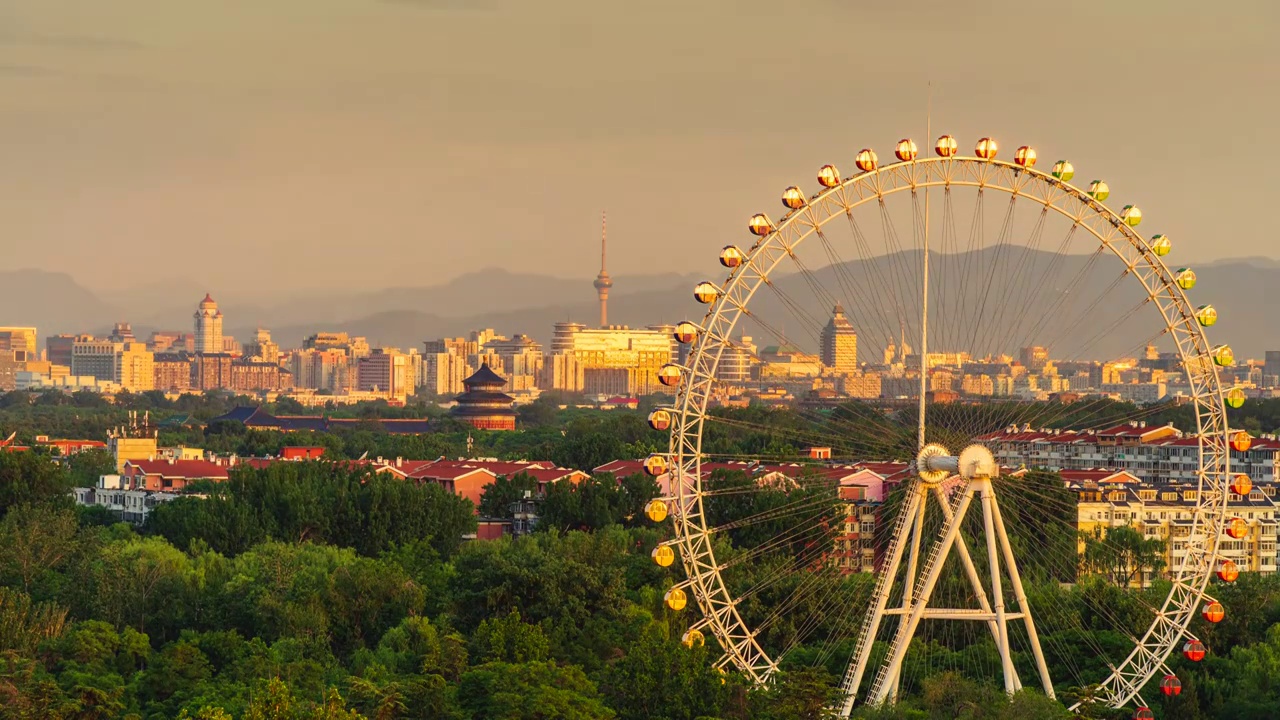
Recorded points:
(485, 376)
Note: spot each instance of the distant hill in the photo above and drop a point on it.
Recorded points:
(1255, 261)
(481, 293)
(1087, 321)
(1243, 291)
(52, 302)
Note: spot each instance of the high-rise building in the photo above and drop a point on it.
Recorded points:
(134, 366)
(95, 357)
(1271, 369)
(385, 370)
(208, 326)
(670, 332)
(443, 373)
(564, 372)
(354, 347)
(562, 335)
(16, 363)
(20, 338)
(485, 336)
(736, 362)
(261, 348)
(839, 343)
(172, 371)
(211, 371)
(1034, 357)
(610, 381)
(458, 346)
(57, 348)
(320, 369)
(256, 375)
(522, 358)
(129, 364)
(603, 281)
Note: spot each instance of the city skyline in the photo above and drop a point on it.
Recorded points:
(402, 139)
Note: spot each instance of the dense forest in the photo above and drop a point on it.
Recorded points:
(310, 591)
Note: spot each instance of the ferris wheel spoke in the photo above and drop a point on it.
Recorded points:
(1013, 287)
(885, 278)
(857, 302)
(1047, 281)
(902, 276)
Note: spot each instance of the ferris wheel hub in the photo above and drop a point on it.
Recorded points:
(976, 461)
(935, 463)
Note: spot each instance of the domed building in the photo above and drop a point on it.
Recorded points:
(484, 405)
(208, 326)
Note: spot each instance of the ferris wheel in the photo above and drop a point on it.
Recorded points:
(881, 528)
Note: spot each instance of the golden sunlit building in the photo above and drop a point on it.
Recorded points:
(839, 351)
(20, 338)
(641, 352)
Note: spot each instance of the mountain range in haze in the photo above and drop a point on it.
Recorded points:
(1243, 291)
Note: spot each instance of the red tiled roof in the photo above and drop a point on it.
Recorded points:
(552, 475)
(621, 467)
(1097, 475)
(430, 471)
(189, 469)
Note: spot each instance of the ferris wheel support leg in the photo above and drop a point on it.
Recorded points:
(917, 530)
(993, 560)
(913, 559)
(1015, 578)
(907, 628)
(853, 678)
(971, 570)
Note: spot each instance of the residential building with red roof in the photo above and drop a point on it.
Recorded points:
(170, 475)
(1152, 454)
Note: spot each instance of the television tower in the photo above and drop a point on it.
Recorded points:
(603, 281)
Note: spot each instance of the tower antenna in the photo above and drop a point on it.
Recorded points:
(603, 281)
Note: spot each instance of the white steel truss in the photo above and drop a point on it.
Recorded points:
(918, 591)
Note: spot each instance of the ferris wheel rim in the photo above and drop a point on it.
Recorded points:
(720, 613)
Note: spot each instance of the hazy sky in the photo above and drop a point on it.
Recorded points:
(384, 142)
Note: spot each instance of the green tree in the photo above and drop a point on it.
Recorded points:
(277, 702)
(509, 639)
(24, 624)
(1122, 555)
(135, 580)
(87, 466)
(659, 677)
(530, 691)
(29, 478)
(797, 695)
(503, 492)
(35, 540)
